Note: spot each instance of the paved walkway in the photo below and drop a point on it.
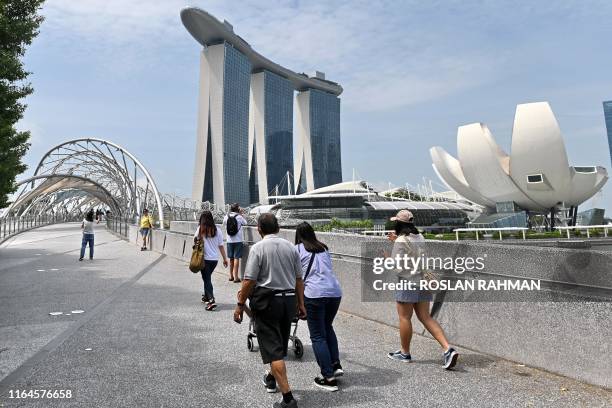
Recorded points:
(152, 343)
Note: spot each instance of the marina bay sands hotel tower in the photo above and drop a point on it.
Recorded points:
(244, 150)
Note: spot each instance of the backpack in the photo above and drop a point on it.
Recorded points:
(232, 225)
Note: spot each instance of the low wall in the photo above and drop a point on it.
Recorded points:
(568, 338)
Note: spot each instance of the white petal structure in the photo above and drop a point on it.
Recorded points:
(449, 171)
(538, 150)
(536, 176)
(486, 165)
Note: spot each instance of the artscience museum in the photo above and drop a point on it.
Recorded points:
(535, 178)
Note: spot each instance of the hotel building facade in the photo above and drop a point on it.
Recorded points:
(244, 146)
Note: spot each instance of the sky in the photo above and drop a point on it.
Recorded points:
(412, 72)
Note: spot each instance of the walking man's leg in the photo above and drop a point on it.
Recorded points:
(83, 245)
(231, 268)
(279, 371)
(273, 329)
(236, 269)
(91, 246)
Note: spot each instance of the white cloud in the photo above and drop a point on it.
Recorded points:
(385, 54)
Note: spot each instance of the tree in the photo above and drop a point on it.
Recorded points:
(19, 23)
(405, 194)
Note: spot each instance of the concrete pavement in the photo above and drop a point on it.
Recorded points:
(153, 344)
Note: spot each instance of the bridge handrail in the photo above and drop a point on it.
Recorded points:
(10, 226)
(485, 229)
(584, 227)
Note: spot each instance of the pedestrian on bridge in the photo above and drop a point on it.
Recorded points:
(273, 280)
(322, 296)
(233, 222)
(407, 241)
(88, 235)
(212, 238)
(146, 225)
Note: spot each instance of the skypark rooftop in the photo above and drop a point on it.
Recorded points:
(207, 30)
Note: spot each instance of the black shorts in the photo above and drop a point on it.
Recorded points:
(273, 326)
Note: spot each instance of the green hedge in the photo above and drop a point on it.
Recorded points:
(339, 224)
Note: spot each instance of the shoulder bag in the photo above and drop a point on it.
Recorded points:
(196, 264)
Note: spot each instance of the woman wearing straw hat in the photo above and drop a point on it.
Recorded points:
(407, 239)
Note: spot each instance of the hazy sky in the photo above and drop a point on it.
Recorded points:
(412, 72)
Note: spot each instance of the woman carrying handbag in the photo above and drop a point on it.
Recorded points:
(406, 241)
(211, 238)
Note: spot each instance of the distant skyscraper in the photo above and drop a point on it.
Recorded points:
(318, 161)
(244, 147)
(221, 168)
(607, 105)
(270, 135)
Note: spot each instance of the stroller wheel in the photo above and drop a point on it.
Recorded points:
(250, 344)
(298, 348)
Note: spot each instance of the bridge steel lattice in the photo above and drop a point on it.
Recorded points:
(80, 174)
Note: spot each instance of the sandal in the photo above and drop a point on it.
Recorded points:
(211, 306)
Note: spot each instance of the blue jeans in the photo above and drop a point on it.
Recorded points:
(320, 314)
(87, 239)
(209, 267)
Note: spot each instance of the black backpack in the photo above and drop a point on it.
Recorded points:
(232, 225)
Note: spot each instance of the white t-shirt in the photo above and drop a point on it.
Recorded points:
(241, 223)
(211, 245)
(88, 227)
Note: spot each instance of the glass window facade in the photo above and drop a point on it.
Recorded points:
(352, 208)
(278, 125)
(607, 105)
(325, 138)
(236, 88)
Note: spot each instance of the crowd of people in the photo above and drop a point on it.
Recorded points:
(284, 280)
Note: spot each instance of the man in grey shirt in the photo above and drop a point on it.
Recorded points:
(273, 276)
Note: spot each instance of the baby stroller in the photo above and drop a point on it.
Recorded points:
(298, 347)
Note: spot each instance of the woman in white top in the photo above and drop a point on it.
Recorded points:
(88, 235)
(212, 237)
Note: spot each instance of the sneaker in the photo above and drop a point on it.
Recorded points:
(399, 356)
(338, 371)
(283, 404)
(269, 382)
(211, 306)
(450, 358)
(205, 299)
(329, 385)
(80, 259)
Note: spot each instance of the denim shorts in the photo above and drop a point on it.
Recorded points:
(144, 232)
(413, 296)
(234, 250)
